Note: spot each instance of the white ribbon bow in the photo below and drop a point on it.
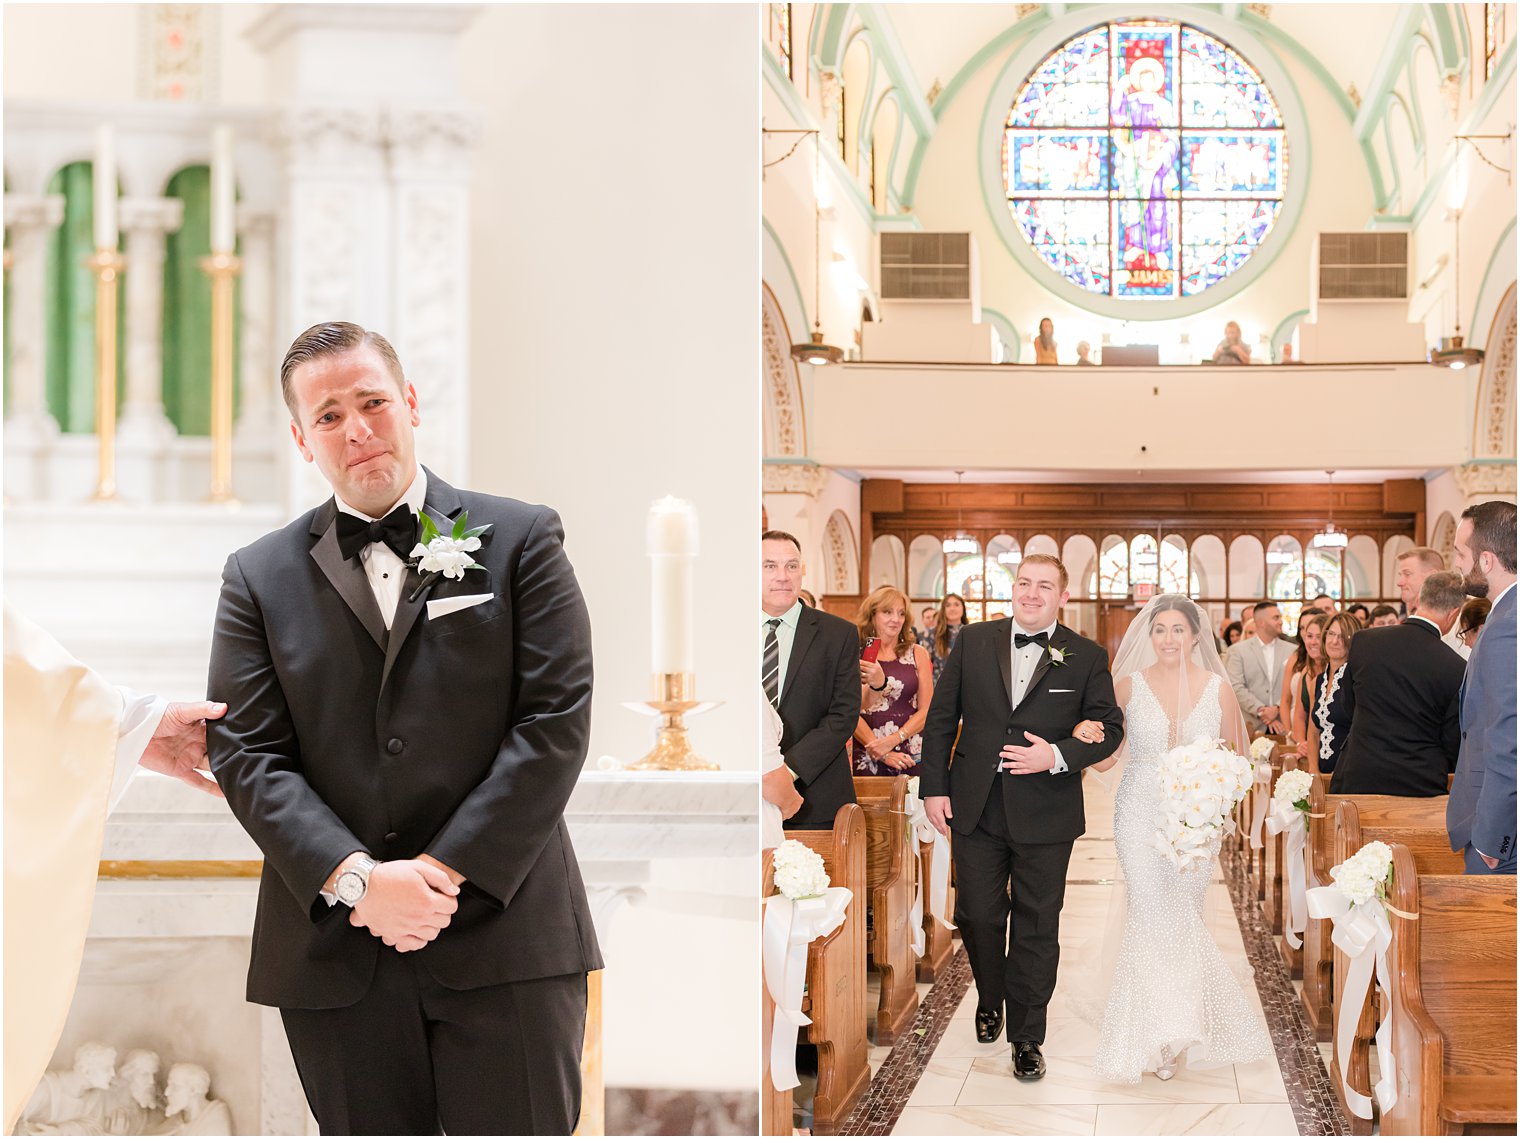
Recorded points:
(788, 928)
(1364, 935)
(939, 871)
(1262, 775)
(1289, 820)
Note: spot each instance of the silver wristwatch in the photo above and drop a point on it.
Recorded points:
(354, 882)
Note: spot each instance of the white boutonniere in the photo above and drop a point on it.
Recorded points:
(1057, 656)
(444, 550)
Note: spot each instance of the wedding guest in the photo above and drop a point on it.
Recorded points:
(1359, 611)
(948, 623)
(1330, 722)
(1400, 689)
(1480, 816)
(1382, 616)
(1298, 685)
(811, 675)
(1256, 667)
(1287, 355)
(1324, 603)
(894, 708)
(1232, 349)
(925, 632)
(1045, 343)
(1084, 350)
(807, 599)
(1471, 620)
(1232, 634)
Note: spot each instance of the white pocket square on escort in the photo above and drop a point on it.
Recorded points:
(446, 605)
(1053, 691)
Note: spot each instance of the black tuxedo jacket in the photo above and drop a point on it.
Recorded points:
(460, 736)
(1400, 694)
(819, 707)
(974, 693)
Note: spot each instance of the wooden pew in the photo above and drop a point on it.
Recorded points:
(1453, 1002)
(891, 877)
(1420, 825)
(775, 1106)
(836, 976)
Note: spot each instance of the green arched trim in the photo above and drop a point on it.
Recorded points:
(187, 309)
(1488, 272)
(867, 101)
(69, 305)
(1284, 330)
(791, 273)
(1452, 48)
(828, 36)
(1055, 32)
(1003, 324)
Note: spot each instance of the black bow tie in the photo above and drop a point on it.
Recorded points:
(1020, 640)
(398, 530)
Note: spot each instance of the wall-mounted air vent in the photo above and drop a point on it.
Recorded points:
(1363, 266)
(926, 266)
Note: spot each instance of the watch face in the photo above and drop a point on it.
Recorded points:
(350, 887)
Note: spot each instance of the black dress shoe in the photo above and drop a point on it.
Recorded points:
(1028, 1064)
(989, 1023)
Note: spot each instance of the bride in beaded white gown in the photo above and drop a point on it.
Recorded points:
(1171, 999)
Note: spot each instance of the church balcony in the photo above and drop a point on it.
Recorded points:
(1201, 418)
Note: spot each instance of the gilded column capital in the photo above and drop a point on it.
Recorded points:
(1484, 480)
(795, 478)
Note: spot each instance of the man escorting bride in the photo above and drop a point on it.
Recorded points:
(1012, 792)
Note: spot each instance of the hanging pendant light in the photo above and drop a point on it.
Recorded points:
(815, 351)
(1452, 353)
(1330, 538)
(962, 542)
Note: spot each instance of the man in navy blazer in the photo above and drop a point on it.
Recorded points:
(1480, 816)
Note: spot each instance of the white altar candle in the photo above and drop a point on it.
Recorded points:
(672, 540)
(223, 197)
(104, 176)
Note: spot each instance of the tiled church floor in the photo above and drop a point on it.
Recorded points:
(939, 1081)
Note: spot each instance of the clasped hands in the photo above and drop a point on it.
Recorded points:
(1026, 759)
(407, 904)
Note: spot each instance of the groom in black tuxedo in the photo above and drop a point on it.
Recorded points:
(1012, 793)
(401, 745)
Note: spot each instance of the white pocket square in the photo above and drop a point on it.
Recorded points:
(1053, 690)
(446, 605)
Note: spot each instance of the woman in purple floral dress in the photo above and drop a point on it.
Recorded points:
(897, 681)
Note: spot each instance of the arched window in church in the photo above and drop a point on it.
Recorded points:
(1165, 567)
(1144, 160)
(982, 582)
(781, 35)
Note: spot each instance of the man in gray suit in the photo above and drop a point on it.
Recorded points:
(1256, 667)
(1480, 815)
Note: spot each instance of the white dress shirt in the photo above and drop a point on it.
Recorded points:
(786, 633)
(387, 572)
(1024, 661)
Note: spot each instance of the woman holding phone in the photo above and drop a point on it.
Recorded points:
(897, 681)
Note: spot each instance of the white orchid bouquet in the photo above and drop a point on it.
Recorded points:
(799, 871)
(1292, 791)
(1365, 875)
(1261, 749)
(1200, 784)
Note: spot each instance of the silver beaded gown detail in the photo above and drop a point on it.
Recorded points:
(1172, 992)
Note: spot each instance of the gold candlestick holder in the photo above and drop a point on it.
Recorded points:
(223, 269)
(107, 265)
(674, 700)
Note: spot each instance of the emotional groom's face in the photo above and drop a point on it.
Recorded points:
(354, 420)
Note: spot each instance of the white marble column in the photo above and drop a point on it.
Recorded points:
(147, 222)
(29, 427)
(430, 150)
(259, 361)
(375, 219)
